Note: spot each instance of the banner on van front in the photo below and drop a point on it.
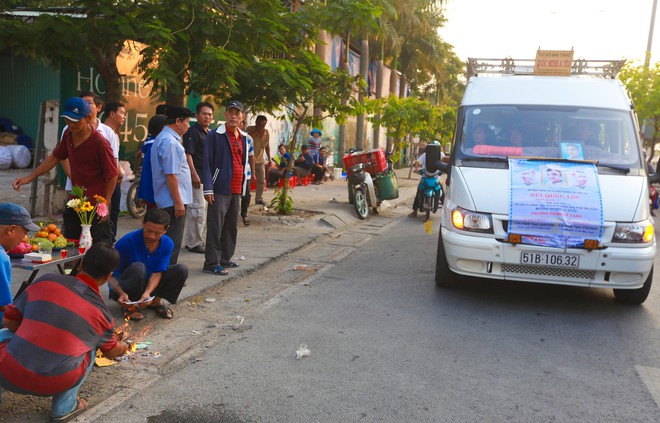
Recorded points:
(555, 204)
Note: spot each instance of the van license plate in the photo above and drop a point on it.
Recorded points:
(550, 259)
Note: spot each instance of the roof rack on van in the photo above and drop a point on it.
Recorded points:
(509, 66)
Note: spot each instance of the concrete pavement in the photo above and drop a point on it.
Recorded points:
(319, 210)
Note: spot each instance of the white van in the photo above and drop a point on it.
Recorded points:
(547, 183)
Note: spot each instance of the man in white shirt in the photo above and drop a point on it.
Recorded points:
(115, 117)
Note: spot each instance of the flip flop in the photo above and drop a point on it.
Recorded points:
(133, 315)
(162, 310)
(229, 264)
(80, 406)
(246, 221)
(217, 270)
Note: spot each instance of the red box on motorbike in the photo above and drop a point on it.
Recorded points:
(374, 160)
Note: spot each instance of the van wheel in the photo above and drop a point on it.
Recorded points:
(444, 277)
(635, 296)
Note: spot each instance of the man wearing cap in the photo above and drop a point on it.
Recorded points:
(261, 141)
(15, 222)
(92, 163)
(224, 179)
(171, 174)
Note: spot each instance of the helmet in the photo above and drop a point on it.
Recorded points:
(315, 131)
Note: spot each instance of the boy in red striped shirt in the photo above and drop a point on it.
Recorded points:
(52, 332)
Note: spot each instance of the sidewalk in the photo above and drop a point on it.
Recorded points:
(318, 210)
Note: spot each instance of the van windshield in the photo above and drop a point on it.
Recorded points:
(604, 136)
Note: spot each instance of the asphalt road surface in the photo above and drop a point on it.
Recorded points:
(386, 345)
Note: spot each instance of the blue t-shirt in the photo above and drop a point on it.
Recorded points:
(146, 188)
(131, 249)
(5, 280)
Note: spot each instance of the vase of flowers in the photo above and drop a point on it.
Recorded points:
(86, 212)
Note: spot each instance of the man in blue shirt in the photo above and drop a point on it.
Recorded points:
(15, 222)
(304, 163)
(146, 187)
(172, 181)
(144, 276)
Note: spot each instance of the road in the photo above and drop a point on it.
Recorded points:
(387, 345)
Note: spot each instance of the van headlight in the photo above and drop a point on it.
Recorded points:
(634, 233)
(472, 221)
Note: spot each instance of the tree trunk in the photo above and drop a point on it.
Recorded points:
(364, 74)
(320, 49)
(106, 62)
(402, 87)
(379, 88)
(342, 128)
(391, 144)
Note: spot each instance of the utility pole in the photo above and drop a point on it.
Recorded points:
(647, 60)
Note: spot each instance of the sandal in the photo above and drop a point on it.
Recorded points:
(80, 406)
(229, 264)
(133, 314)
(217, 270)
(246, 221)
(162, 310)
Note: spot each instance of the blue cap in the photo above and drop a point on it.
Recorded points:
(13, 214)
(315, 131)
(75, 109)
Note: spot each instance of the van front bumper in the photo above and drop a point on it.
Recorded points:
(617, 267)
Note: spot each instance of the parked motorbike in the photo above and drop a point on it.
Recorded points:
(429, 192)
(362, 191)
(135, 205)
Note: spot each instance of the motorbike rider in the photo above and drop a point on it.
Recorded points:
(420, 163)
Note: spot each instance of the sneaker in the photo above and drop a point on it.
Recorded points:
(260, 201)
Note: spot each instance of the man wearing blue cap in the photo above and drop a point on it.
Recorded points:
(15, 222)
(92, 163)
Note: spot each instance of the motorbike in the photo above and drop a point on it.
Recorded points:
(429, 192)
(137, 208)
(362, 191)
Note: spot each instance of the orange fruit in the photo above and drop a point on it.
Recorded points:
(51, 228)
(57, 232)
(35, 247)
(52, 237)
(42, 234)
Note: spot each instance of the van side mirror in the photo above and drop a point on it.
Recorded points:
(433, 161)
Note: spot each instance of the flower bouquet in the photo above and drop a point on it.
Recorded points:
(86, 212)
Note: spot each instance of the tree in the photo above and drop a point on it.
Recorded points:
(644, 87)
(412, 117)
(314, 86)
(81, 31)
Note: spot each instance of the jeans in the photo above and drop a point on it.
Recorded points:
(67, 401)
(195, 220)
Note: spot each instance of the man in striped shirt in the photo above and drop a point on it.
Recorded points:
(52, 332)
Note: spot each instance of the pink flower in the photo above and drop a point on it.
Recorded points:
(102, 209)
